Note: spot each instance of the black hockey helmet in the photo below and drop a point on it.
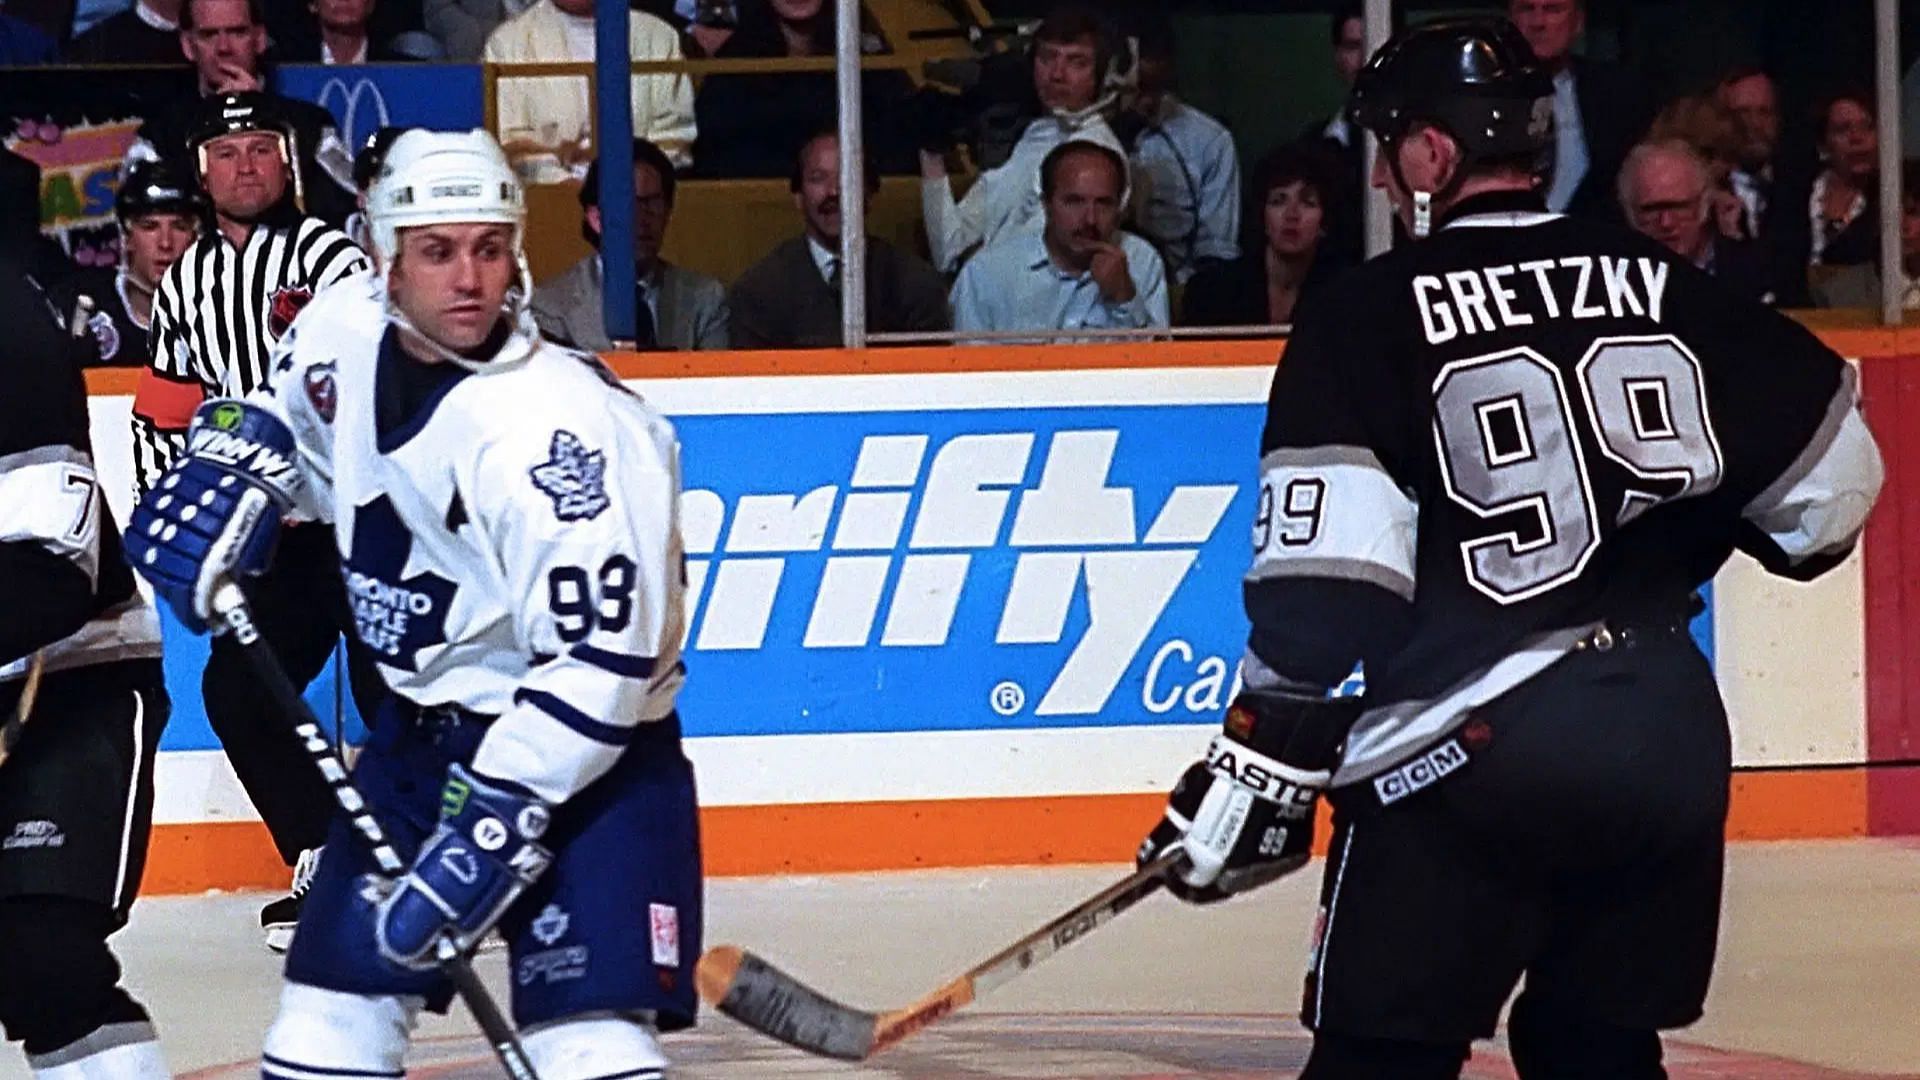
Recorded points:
(234, 112)
(372, 154)
(158, 187)
(1475, 78)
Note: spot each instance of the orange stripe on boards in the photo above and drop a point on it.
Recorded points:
(204, 855)
(742, 840)
(1798, 805)
(833, 838)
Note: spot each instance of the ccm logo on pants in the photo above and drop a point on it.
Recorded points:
(1420, 772)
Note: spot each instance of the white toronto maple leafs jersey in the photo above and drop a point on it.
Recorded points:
(511, 548)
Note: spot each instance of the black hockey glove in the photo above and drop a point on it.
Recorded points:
(1244, 815)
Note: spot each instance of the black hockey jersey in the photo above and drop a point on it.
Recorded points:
(1480, 446)
(64, 583)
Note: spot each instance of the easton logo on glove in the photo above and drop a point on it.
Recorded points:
(1291, 788)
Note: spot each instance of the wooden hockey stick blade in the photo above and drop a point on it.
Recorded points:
(776, 1004)
(11, 727)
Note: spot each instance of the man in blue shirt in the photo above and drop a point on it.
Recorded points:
(1079, 271)
(1184, 165)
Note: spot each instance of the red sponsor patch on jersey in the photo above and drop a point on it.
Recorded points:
(321, 391)
(288, 302)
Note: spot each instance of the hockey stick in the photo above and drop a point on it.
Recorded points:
(775, 1003)
(11, 728)
(230, 606)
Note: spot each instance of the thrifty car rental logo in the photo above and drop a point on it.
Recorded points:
(1072, 532)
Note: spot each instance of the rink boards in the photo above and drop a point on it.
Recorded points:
(981, 605)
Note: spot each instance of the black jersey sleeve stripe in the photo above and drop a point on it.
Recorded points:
(341, 258)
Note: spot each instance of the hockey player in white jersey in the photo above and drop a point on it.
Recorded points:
(507, 517)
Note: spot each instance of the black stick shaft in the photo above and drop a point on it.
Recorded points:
(230, 605)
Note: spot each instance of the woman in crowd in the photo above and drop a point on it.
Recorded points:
(1292, 207)
(1827, 216)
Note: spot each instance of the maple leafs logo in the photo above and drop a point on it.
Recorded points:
(396, 616)
(574, 477)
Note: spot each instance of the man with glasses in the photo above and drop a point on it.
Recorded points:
(1666, 192)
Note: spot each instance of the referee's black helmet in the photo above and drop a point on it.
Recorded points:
(235, 112)
(1476, 79)
(158, 187)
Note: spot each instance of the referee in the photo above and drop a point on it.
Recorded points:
(215, 320)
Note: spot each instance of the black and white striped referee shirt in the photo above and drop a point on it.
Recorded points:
(216, 317)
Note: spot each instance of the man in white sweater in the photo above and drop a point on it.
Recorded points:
(546, 122)
(1070, 60)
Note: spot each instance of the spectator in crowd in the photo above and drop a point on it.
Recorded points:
(1294, 206)
(1826, 214)
(160, 211)
(1073, 52)
(791, 298)
(1186, 172)
(1667, 193)
(343, 32)
(546, 122)
(1858, 286)
(753, 125)
(674, 308)
(1599, 111)
(1844, 189)
(461, 26)
(1348, 42)
(1749, 94)
(22, 43)
(1709, 128)
(1079, 271)
(224, 40)
(88, 14)
(1349, 55)
(708, 23)
(146, 33)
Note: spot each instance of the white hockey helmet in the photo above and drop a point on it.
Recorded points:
(435, 177)
(442, 177)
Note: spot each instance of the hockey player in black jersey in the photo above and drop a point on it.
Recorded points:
(81, 708)
(1497, 464)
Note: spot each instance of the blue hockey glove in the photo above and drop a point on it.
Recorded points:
(479, 859)
(216, 513)
(1244, 815)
